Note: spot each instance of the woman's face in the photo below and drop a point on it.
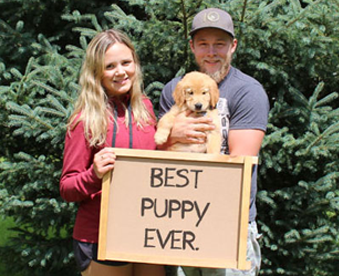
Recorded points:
(119, 72)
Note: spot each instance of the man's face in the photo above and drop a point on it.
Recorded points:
(213, 49)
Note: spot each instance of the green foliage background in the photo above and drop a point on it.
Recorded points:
(290, 46)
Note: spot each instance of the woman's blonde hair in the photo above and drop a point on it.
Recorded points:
(92, 103)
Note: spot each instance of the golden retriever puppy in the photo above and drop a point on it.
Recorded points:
(199, 93)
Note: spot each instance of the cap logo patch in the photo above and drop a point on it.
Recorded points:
(213, 16)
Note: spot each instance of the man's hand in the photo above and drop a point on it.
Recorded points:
(189, 130)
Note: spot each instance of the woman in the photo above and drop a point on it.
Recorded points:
(111, 111)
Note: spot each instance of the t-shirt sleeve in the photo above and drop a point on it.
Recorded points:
(249, 108)
(166, 98)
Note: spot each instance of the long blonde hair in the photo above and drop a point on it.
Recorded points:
(92, 104)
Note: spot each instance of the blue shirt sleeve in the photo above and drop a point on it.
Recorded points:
(166, 98)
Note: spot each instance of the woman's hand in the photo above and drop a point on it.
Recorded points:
(103, 162)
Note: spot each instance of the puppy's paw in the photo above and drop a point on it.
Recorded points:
(161, 136)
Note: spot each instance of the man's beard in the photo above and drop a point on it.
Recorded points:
(220, 74)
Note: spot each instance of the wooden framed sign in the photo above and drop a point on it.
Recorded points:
(187, 209)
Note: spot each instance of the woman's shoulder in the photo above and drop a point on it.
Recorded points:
(147, 101)
(76, 123)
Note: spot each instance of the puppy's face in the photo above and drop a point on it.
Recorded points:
(197, 98)
(197, 91)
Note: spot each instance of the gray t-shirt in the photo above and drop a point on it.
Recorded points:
(243, 104)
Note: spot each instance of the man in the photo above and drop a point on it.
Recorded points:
(243, 108)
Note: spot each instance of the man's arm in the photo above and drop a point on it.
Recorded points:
(245, 141)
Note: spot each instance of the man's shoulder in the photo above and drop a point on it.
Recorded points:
(241, 77)
(166, 98)
(236, 83)
(169, 86)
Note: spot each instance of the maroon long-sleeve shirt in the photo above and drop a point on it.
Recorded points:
(79, 182)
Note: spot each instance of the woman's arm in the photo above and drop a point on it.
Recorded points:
(78, 180)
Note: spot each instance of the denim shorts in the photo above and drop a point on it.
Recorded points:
(85, 252)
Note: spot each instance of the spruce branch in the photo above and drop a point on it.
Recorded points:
(244, 6)
(154, 87)
(28, 112)
(302, 13)
(62, 94)
(326, 100)
(183, 9)
(334, 128)
(195, 8)
(185, 24)
(53, 112)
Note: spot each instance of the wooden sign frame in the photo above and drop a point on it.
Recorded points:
(119, 223)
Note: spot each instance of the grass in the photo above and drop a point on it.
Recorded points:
(5, 234)
(5, 224)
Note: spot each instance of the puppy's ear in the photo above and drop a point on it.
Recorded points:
(214, 93)
(179, 94)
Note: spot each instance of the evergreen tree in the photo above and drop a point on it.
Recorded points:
(290, 46)
(22, 21)
(39, 103)
(299, 197)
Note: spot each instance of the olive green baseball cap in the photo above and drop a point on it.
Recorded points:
(213, 18)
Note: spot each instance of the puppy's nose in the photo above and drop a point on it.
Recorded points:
(198, 106)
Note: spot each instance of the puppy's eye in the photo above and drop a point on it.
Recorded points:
(205, 91)
(189, 91)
